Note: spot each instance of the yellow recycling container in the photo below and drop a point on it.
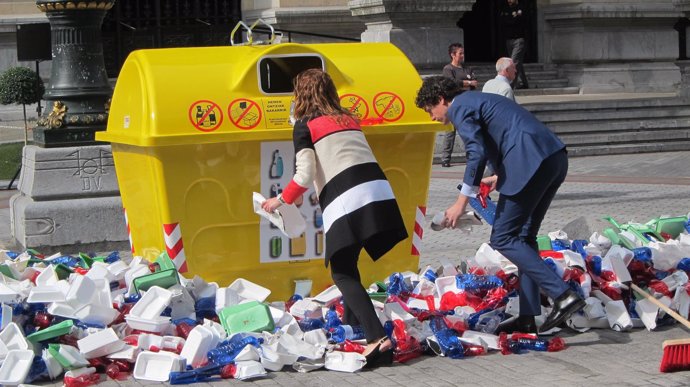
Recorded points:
(194, 131)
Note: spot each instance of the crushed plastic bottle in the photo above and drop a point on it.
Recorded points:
(397, 285)
(349, 346)
(472, 282)
(197, 375)
(226, 351)
(346, 332)
(486, 320)
(643, 254)
(294, 298)
(521, 342)
(332, 319)
(684, 264)
(447, 339)
(309, 324)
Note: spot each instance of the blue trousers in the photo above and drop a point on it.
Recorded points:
(514, 233)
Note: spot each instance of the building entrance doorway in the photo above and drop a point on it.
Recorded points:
(484, 39)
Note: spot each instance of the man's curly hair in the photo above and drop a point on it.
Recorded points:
(433, 88)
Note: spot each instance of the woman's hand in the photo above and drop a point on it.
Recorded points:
(270, 205)
(491, 182)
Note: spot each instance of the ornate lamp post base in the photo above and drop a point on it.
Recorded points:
(68, 196)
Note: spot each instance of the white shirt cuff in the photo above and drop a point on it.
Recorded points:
(468, 190)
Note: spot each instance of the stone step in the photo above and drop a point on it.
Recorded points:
(590, 126)
(548, 91)
(579, 116)
(615, 126)
(547, 83)
(658, 146)
(631, 137)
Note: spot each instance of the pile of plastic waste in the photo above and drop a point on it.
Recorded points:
(95, 317)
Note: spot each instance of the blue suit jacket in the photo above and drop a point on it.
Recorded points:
(498, 130)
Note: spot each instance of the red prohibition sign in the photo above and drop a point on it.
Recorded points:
(390, 107)
(205, 115)
(353, 102)
(244, 113)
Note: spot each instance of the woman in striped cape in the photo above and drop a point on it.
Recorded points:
(358, 205)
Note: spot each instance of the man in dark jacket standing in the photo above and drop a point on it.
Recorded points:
(514, 22)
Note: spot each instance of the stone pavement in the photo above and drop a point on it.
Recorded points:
(626, 187)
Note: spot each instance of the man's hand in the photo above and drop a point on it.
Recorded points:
(454, 212)
(491, 182)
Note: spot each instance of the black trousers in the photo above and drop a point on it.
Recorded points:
(358, 307)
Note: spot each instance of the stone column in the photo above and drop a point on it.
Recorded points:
(614, 46)
(684, 88)
(68, 198)
(421, 29)
(684, 65)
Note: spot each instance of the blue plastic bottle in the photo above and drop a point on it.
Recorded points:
(332, 319)
(346, 332)
(397, 284)
(226, 351)
(430, 275)
(447, 338)
(488, 213)
(643, 254)
(559, 244)
(472, 282)
(684, 264)
(578, 246)
(309, 324)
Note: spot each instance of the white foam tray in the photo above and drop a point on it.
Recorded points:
(15, 367)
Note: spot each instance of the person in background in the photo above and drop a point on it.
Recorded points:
(357, 202)
(505, 69)
(513, 20)
(530, 164)
(464, 76)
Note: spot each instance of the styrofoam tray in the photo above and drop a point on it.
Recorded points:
(15, 367)
(152, 303)
(156, 366)
(13, 337)
(249, 290)
(328, 296)
(155, 325)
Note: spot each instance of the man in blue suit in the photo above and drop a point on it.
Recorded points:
(530, 162)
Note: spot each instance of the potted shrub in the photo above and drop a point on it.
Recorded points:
(21, 85)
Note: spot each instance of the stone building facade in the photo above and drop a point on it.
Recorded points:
(601, 46)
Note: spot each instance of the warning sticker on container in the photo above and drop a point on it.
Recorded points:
(205, 115)
(244, 113)
(355, 104)
(389, 106)
(277, 111)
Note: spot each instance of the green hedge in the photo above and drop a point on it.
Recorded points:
(10, 159)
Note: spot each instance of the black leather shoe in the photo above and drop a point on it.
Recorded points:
(521, 324)
(565, 305)
(445, 164)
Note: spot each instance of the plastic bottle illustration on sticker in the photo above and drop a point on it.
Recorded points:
(276, 170)
(275, 246)
(318, 218)
(318, 242)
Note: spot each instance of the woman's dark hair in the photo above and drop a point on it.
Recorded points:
(433, 88)
(316, 95)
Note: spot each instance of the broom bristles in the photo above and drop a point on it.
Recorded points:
(676, 355)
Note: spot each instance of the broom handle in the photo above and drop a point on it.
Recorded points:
(661, 305)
